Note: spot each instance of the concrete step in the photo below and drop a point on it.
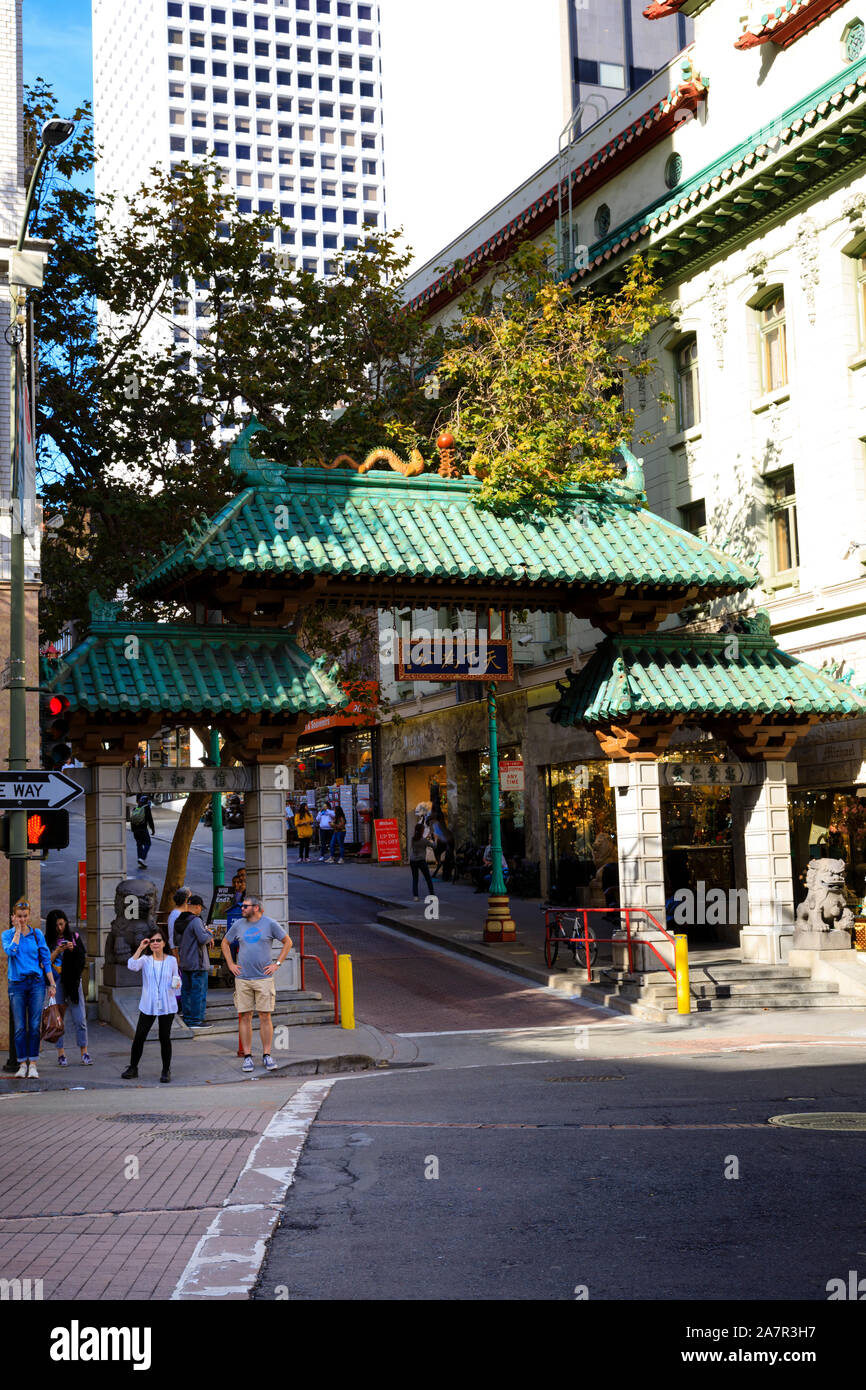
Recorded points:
(736, 989)
(227, 1025)
(716, 974)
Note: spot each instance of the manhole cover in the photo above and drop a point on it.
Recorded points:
(206, 1134)
(584, 1078)
(838, 1119)
(150, 1119)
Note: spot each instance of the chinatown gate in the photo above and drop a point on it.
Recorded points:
(410, 537)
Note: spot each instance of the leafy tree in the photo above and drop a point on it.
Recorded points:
(537, 376)
(130, 421)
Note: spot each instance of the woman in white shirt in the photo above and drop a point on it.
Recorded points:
(159, 985)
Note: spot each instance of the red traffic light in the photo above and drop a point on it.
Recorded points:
(57, 704)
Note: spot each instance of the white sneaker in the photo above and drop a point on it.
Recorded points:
(32, 1073)
(22, 1071)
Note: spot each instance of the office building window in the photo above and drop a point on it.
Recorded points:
(196, 40)
(175, 64)
(782, 514)
(773, 342)
(693, 518)
(177, 143)
(860, 270)
(688, 388)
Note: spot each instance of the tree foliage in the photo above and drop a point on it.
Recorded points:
(538, 374)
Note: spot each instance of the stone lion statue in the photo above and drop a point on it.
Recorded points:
(825, 907)
(603, 852)
(134, 918)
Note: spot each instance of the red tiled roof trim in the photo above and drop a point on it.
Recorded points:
(787, 23)
(617, 154)
(662, 9)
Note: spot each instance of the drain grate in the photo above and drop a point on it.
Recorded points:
(833, 1119)
(584, 1078)
(150, 1119)
(206, 1134)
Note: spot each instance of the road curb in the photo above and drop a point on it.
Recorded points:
(228, 1258)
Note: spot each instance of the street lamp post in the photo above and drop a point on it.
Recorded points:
(499, 925)
(54, 133)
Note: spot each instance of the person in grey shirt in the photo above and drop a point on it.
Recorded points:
(192, 938)
(255, 987)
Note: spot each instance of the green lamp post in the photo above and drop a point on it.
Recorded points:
(499, 925)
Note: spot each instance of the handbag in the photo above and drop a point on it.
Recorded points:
(52, 1024)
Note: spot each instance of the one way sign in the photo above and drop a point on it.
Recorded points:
(41, 791)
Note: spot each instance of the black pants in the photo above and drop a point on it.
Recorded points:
(145, 1023)
(304, 848)
(415, 866)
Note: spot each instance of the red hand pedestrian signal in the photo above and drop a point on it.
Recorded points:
(36, 828)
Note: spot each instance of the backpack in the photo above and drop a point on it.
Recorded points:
(138, 818)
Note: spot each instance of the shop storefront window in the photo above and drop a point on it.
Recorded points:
(511, 806)
(358, 758)
(580, 807)
(829, 825)
(315, 766)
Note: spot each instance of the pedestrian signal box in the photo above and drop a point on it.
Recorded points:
(45, 830)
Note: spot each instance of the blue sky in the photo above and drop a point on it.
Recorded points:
(472, 100)
(57, 47)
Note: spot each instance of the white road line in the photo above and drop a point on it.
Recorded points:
(224, 1263)
(538, 1031)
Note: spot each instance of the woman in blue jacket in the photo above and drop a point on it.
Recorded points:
(29, 977)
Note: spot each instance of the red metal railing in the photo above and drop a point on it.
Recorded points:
(628, 912)
(333, 983)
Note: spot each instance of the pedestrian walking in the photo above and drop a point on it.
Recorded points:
(30, 975)
(180, 900)
(193, 938)
(68, 959)
(159, 982)
(142, 827)
(255, 988)
(418, 858)
(325, 822)
(304, 831)
(339, 835)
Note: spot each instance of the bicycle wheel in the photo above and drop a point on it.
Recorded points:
(553, 936)
(575, 927)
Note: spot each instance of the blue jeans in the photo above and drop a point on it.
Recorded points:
(337, 844)
(27, 997)
(193, 995)
(142, 842)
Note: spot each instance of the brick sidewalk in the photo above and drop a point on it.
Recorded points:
(73, 1219)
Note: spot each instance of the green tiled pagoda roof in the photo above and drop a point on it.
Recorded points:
(387, 527)
(699, 675)
(190, 670)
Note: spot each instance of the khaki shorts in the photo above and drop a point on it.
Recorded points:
(255, 996)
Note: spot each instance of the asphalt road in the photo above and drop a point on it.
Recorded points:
(596, 1173)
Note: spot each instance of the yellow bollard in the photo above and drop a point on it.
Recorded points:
(684, 999)
(347, 991)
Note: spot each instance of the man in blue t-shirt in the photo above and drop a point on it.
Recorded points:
(255, 987)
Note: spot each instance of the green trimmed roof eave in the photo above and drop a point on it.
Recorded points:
(699, 676)
(383, 526)
(704, 201)
(138, 668)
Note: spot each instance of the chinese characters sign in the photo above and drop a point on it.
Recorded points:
(705, 774)
(186, 779)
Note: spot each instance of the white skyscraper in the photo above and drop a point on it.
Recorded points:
(286, 94)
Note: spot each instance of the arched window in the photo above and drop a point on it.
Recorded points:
(688, 386)
(772, 341)
(602, 220)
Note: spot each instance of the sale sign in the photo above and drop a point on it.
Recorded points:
(387, 842)
(82, 890)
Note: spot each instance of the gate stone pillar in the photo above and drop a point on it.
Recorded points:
(105, 840)
(265, 852)
(769, 872)
(637, 792)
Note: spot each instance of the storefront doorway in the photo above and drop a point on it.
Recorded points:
(698, 850)
(420, 779)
